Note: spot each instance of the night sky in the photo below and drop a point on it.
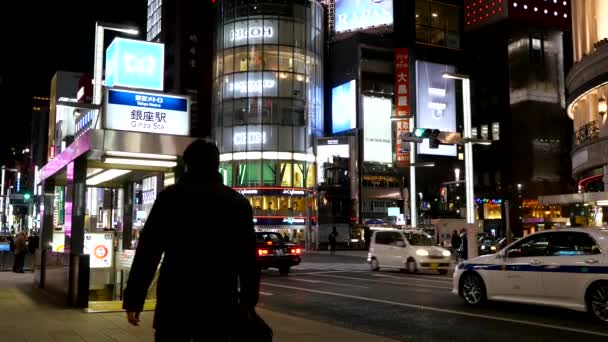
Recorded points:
(39, 37)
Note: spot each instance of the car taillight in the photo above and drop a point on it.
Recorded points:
(262, 252)
(296, 251)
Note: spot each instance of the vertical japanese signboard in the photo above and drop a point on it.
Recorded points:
(402, 104)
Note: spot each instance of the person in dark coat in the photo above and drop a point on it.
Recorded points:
(455, 241)
(198, 286)
(20, 252)
(333, 239)
(464, 252)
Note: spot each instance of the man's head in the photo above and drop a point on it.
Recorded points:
(202, 157)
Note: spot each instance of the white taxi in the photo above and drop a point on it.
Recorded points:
(411, 250)
(564, 268)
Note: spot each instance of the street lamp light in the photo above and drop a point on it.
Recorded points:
(100, 27)
(468, 145)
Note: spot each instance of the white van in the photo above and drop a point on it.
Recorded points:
(412, 250)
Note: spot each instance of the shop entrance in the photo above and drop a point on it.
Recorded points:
(93, 209)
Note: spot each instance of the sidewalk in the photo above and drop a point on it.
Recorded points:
(28, 315)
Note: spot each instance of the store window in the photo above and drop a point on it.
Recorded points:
(226, 172)
(311, 176)
(286, 174)
(240, 57)
(250, 173)
(271, 58)
(256, 58)
(269, 172)
(437, 23)
(298, 175)
(286, 58)
(229, 63)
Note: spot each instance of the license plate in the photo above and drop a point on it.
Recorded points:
(434, 266)
(278, 252)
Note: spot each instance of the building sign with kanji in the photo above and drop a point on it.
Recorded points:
(147, 112)
(402, 104)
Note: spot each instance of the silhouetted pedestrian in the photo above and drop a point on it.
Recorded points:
(455, 241)
(20, 251)
(333, 239)
(195, 302)
(464, 253)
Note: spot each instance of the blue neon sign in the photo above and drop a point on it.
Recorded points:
(135, 64)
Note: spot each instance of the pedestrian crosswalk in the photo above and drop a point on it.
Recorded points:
(331, 266)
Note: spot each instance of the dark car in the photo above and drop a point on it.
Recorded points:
(275, 252)
(487, 245)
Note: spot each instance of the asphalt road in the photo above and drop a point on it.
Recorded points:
(341, 290)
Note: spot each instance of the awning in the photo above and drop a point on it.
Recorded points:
(274, 228)
(584, 197)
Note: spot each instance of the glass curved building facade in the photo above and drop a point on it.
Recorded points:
(268, 104)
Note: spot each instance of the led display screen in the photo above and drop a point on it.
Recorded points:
(135, 64)
(344, 107)
(436, 104)
(352, 15)
(377, 130)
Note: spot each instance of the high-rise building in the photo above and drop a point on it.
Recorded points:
(517, 63)
(385, 65)
(186, 27)
(587, 85)
(268, 106)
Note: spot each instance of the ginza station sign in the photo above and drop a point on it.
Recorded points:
(147, 112)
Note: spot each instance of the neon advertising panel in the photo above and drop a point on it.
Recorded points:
(344, 107)
(377, 135)
(436, 104)
(353, 15)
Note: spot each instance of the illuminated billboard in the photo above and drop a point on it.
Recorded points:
(147, 112)
(353, 15)
(377, 137)
(326, 154)
(135, 64)
(344, 107)
(436, 104)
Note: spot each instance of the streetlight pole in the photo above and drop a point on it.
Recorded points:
(468, 145)
(2, 217)
(413, 208)
(98, 61)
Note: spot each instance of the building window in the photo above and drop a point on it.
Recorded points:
(474, 132)
(437, 24)
(537, 55)
(484, 131)
(495, 131)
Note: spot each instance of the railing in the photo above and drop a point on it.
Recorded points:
(587, 132)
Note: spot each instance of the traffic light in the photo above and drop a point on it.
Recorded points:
(431, 134)
(434, 138)
(27, 196)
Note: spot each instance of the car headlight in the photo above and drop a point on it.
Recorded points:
(493, 248)
(483, 247)
(446, 253)
(422, 252)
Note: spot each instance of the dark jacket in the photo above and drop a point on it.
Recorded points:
(205, 231)
(20, 246)
(456, 241)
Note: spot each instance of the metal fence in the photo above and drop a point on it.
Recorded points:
(8, 258)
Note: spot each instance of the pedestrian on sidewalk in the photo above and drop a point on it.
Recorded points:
(464, 253)
(20, 251)
(194, 302)
(455, 242)
(333, 236)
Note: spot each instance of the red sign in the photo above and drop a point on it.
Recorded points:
(402, 102)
